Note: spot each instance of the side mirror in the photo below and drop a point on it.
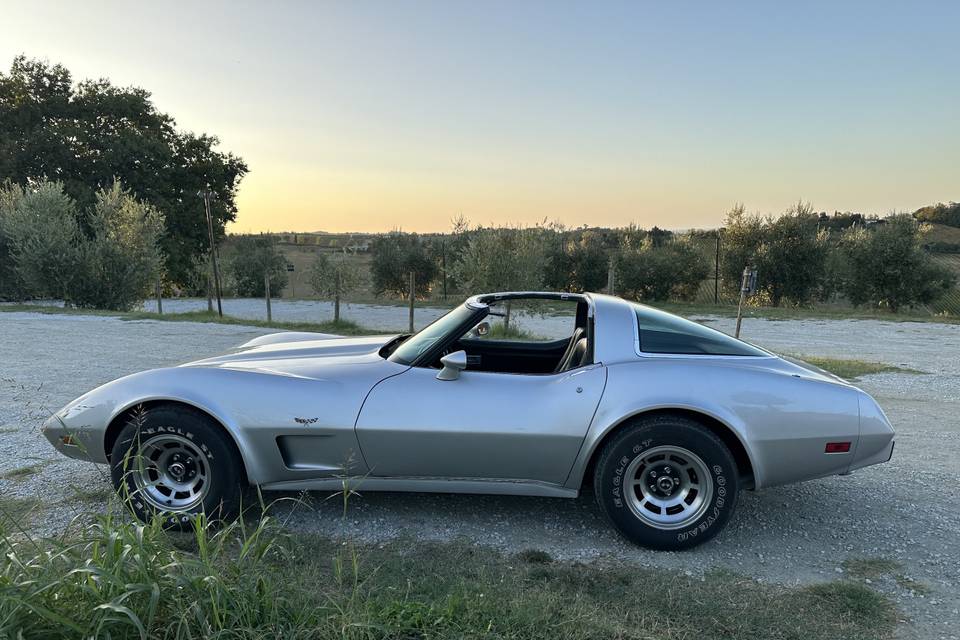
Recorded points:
(483, 328)
(453, 364)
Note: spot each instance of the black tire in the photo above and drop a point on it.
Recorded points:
(214, 457)
(622, 500)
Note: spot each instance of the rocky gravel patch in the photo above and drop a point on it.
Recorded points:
(904, 514)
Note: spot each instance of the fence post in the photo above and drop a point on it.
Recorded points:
(413, 295)
(159, 296)
(716, 273)
(209, 295)
(336, 296)
(611, 279)
(266, 288)
(744, 287)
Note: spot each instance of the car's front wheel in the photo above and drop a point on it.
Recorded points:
(174, 462)
(666, 482)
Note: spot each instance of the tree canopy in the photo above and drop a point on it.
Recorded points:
(87, 135)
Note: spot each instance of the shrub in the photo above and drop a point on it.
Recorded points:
(395, 255)
(251, 258)
(576, 262)
(332, 278)
(675, 269)
(789, 253)
(505, 259)
(885, 265)
(43, 238)
(111, 261)
(121, 259)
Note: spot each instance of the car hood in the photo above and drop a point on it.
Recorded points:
(299, 354)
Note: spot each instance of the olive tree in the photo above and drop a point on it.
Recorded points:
(395, 256)
(504, 259)
(253, 259)
(885, 265)
(789, 253)
(332, 278)
(107, 257)
(673, 269)
(42, 240)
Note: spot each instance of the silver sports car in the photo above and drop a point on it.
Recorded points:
(666, 419)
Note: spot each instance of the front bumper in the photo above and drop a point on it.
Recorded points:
(79, 443)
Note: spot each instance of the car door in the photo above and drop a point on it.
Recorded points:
(483, 425)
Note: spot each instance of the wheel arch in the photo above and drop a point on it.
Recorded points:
(116, 424)
(729, 436)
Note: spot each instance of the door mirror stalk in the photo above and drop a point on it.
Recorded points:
(453, 364)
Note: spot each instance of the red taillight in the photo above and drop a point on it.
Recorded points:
(837, 447)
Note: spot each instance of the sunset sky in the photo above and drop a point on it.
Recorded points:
(371, 116)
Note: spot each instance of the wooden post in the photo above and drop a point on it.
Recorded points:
(716, 273)
(413, 296)
(266, 288)
(336, 296)
(443, 260)
(209, 295)
(159, 295)
(744, 287)
(611, 279)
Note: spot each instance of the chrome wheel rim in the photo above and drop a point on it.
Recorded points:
(171, 473)
(668, 487)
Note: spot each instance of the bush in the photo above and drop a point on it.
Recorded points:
(885, 265)
(43, 239)
(250, 259)
(395, 255)
(789, 253)
(505, 259)
(121, 260)
(110, 262)
(675, 269)
(576, 262)
(332, 278)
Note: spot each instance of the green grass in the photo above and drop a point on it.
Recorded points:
(851, 369)
(250, 580)
(876, 568)
(872, 568)
(501, 331)
(21, 473)
(96, 495)
(16, 513)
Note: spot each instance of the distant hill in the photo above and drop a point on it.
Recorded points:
(945, 214)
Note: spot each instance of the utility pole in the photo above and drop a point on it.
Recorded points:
(206, 194)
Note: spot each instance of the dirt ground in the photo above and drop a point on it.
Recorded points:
(905, 513)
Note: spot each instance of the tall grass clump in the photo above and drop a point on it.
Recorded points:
(120, 579)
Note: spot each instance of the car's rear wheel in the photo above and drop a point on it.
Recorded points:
(174, 462)
(666, 482)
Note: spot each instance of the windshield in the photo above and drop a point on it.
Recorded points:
(411, 348)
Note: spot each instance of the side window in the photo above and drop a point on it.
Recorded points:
(662, 332)
(527, 321)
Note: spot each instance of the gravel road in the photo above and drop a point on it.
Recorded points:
(907, 510)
